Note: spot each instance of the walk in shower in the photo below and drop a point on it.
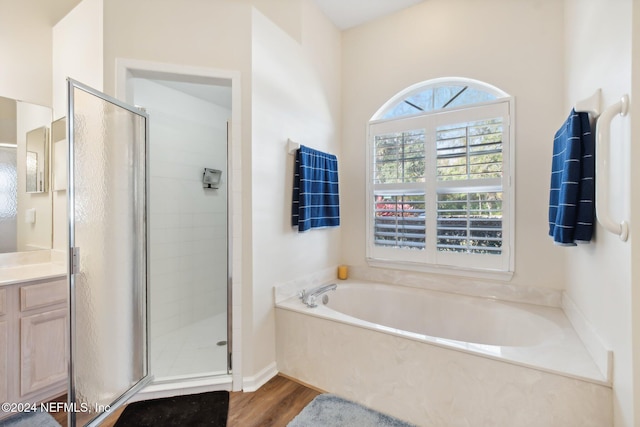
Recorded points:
(188, 224)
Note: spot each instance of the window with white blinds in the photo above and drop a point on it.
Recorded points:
(399, 221)
(439, 189)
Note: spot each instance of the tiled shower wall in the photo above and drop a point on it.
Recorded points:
(188, 224)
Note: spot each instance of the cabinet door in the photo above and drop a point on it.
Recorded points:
(43, 294)
(43, 345)
(4, 353)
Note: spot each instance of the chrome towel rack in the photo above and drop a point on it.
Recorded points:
(603, 139)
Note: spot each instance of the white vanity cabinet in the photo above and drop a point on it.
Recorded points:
(43, 335)
(33, 340)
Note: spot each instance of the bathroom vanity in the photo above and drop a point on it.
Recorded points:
(33, 333)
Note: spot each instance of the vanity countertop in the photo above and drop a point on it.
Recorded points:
(24, 273)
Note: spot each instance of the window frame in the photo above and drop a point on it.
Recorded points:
(430, 259)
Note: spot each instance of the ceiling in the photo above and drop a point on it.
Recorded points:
(213, 93)
(54, 10)
(343, 13)
(351, 13)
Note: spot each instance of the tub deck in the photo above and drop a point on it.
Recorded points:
(556, 349)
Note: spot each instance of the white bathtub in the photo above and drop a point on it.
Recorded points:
(434, 358)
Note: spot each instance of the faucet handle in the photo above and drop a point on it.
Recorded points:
(302, 294)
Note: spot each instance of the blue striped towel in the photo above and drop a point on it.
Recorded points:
(571, 199)
(315, 190)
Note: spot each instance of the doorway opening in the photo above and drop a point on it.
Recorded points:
(189, 223)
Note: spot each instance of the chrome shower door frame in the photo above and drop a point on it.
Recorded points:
(140, 295)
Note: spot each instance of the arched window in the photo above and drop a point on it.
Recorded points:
(440, 178)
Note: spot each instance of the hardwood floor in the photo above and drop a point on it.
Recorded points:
(60, 417)
(273, 405)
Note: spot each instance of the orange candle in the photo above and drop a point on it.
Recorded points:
(343, 272)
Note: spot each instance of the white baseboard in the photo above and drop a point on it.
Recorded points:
(253, 383)
(602, 356)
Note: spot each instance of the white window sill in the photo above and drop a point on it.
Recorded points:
(474, 273)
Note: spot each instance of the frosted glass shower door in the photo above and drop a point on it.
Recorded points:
(107, 233)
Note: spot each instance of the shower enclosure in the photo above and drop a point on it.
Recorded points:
(148, 240)
(188, 224)
(108, 268)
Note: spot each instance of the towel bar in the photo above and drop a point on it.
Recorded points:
(591, 105)
(603, 136)
(292, 146)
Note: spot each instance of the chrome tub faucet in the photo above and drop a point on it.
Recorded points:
(309, 296)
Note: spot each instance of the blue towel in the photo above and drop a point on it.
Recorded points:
(315, 190)
(571, 199)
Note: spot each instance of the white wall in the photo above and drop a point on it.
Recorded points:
(25, 49)
(188, 246)
(77, 53)
(598, 55)
(635, 204)
(212, 34)
(25, 75)
(296, 95)
(516, 46)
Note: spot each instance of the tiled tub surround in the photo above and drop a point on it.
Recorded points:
(434, 358)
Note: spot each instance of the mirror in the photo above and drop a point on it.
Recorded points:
(37, 166)
(25, 200)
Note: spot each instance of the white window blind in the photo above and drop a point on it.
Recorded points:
(469, 156)
(439, 188)
(399, 221)
(470, 222)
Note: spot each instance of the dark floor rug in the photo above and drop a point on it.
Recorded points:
(204, 409)
(30, 419)
(328, 410)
